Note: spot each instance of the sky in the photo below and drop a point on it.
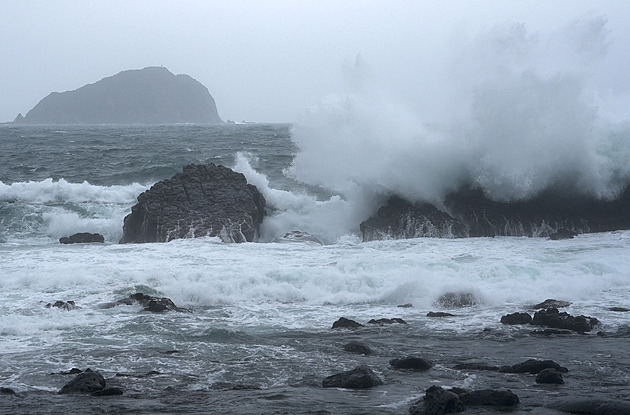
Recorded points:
(270, 60)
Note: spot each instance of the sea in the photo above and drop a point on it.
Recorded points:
(258, 338)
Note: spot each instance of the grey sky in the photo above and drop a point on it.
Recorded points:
(264, 60)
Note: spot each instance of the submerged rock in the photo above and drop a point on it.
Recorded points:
(86, 382)
(7, 391)
(488, 397)
(551, 317)
(411, 363)
(594, 407)
(562, 234)
(150, 303)
(361, 377)
(358, 348)
(456, 300)
(550, 376)
(439, 314)
(203, 200)
(476, 366)
(383, 321)
(82, 238)
(64, 305)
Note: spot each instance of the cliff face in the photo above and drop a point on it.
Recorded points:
(151, 95)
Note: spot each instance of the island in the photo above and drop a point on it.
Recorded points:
(152, 95)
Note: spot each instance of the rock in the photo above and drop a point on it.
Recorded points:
(345, 323)
(456, 300)
(138, 376)
(383, 321)
(203, 200)
(298, 236)
(619, 309)
(516, 318)
(150, 303)
(594, 407)
(64, 305)
(108, 392)
(488, 397)
(550, 376)
(408, 305)
(151, 95)
(551, 303)
(533, 366)
(358, 348)
(86, 382)
(439, 314)
(552, 332)
(551, 317)
(361, 377)
(83, 238)
(437, 401)
(7, 391)
(72, 371)
(476, 366)
(562, 234)
(411, 363)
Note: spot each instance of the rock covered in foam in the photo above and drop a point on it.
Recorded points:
(203, 200)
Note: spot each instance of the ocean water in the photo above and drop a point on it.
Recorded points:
(259, 338)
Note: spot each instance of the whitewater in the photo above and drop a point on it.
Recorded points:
(258, 338)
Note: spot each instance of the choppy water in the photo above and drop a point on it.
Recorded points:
(259, 337)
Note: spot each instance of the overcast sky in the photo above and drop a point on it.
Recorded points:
(264, 60)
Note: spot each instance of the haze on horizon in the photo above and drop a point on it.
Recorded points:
(268, 61)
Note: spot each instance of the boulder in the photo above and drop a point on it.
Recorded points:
(346, 323)
(86, 382)
(437, 401)
(203, 200)
(361, 377)
(594, 407)
(516, 318)
(551, 317)
(550, 376)
(456, 300)
(551, 303)
(7, 391)
(411, 363)
(488, 397)
(64, 305)
(150, 303)
(383, 321)
(83, 238)
(358, 348)
(533, 366)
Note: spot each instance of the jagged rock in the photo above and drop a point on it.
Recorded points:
(551, 303)
(411, 363)
(361, 377)
(439, 314)
(346, 323)
(487, 397)
(551, 317)
(64, 305)
(383, 321)
(476, 366)
(533, 366)
(150, 303)
(516, 318)
(562, 234)
(456, 300)
(86, 382)
(83, 238)
(594, 407)
(437, 401)
(203, 200)
(550, 376)
(358, 348)
(151, 95)
(298, 236)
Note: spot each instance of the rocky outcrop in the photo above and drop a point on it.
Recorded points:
(469, 213)
(346, 323)
(64, 305)
(86, 382)
(203, 200)
(437, 401)
(360, 378)
(151, 95)
(150, 303)
(82, 238)
(533, 366)
(384, 321)
(516, 318)
(551, 317)
(551, 303)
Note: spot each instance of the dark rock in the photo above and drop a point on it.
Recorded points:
(233, 386)
(203, 200)
(439, 314)
(140, 376)
(108, 392)
(456, 300)
(408, 305)
(361, 377)
(345, 323)
(594, 407)
(298, 236)
(72, 371)
(86, 382)
(551, 303)
(533, 366)
(489, 397)
(516, 318)
(399, 219)
(550, 376)
(437, 401)
(64, 305)
(472, 214)
(619, 309)
(7, 391)
(152, 304)
(83, 238)
(383, 321)
(151, 95)
(358, 348)
(562, 234)
(476, 366)
(551, 317)
(552, 332)
(411, 363)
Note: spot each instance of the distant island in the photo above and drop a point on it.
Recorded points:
(152, 95)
